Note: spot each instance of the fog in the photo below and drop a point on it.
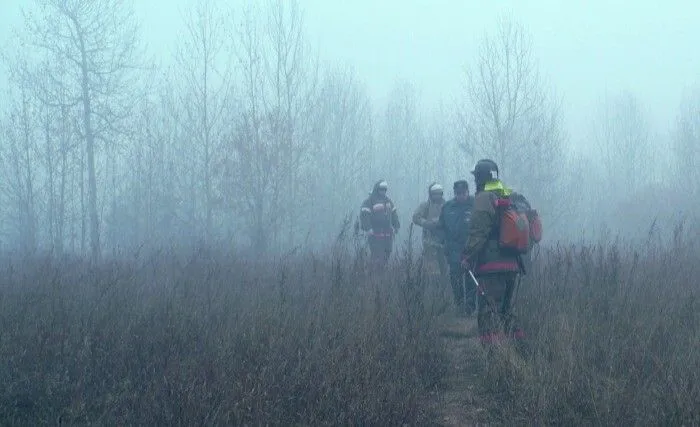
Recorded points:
(605, 141)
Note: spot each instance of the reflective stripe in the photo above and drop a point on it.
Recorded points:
(497, 186)
(492, 338)
(366, 210)
(495, 266)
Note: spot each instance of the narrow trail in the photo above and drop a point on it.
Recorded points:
(458, 402)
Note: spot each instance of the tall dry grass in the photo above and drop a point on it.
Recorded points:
(614, 337)
(210, 337)
(215, 338)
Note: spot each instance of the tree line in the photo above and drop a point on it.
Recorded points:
(251, 139)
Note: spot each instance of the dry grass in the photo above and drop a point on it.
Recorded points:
(615, 338)
(215, 338)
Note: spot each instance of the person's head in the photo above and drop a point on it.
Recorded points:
(484, 171)
(381, 187)
(461, 189)
(435, 192)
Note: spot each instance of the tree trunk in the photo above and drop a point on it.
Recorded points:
(81, 182)
(50, 182)
(29, 238)
(207, 154)
(90, 149)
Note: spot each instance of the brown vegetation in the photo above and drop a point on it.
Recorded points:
(614, 337)
(210, 338)
(215, 338)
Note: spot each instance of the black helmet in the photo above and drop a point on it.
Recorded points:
(485, 170)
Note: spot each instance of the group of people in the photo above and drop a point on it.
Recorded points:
(461, 235)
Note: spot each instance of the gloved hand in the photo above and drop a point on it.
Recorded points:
(431, 224)
(466, 262)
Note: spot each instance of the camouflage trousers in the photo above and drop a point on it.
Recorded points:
(434, 260)
(494, 318)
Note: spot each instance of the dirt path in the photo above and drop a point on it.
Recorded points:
(458, 402)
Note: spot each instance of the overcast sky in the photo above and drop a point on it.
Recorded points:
(584, 47)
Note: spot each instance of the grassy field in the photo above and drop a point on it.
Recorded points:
(210, 338)
(216, 338)
(614, 337)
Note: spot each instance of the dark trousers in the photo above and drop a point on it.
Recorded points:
(495, 304)
(463, 288)
(380, 250)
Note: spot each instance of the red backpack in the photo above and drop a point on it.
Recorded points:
(520, 225)
(535, 225)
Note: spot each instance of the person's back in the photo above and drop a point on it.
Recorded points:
(495, 268)
(454, 222)
(483, 246)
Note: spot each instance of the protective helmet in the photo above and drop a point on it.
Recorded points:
(380, 185)
(435, 188)
(485, 170)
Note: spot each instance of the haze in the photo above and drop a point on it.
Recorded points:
(588, 54)
(585, 48)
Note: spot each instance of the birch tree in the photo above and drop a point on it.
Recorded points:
(94, 42)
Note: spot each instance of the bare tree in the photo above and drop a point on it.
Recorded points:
(343, 137)
(442, 152)
(622, 139)
(19, 157)
(157, 161)
(404, 143)
(271, 143)
(93, 43)
(687, 141)
(203, 78)
(510, 117)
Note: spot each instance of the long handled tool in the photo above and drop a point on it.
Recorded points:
(482, 292)
(476, 283)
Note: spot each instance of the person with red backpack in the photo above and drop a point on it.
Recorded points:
(503, 228)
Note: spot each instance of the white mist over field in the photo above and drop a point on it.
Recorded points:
(265, 124)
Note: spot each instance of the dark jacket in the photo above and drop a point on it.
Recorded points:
(454, 222)
(482, 247)
(378, 214)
